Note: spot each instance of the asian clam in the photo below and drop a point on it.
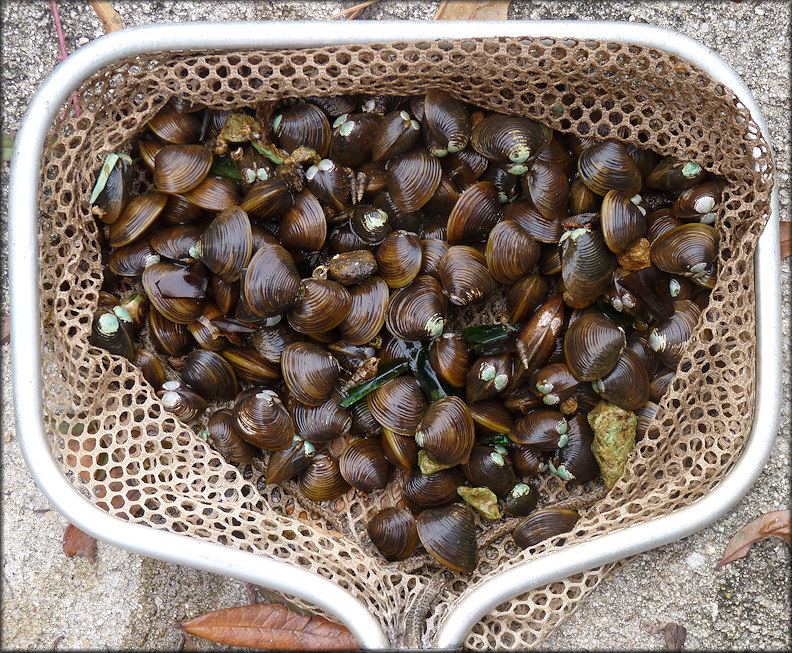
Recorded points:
(308, 269)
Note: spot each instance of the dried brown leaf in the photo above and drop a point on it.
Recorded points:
(785, 229)
(473, 10)
(77, 543)
(675, 635)
(771, 524)
(110, 19)
(271, 626)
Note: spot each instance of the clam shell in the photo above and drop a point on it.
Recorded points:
(352, 138)
(534, 223)
(464, 167)
(465, 276)
(448, 533)
(324, 304)
(672, 174)
(367, 313)
(510, 139)
(627, 384)
(287, 463)
(537, 338)
(621, 221)
(363, 465)
(542, 525)
(349, 268)
(412, 179)
(250, 366)
(608, 166)
(181, 401)
(669, 338)
(576, 462)
(592, 346)
(398, 405)
(476, 212)
(370, 224)
(310, 372)
(524, 296)
(687, 250)
(303, 125)
(586, 266)
(446, 431)
(400, 450)
(131, 260)
(262, 420)
(449, 357)
(544, 430)
(176, 291)
(173, 126)
(324, 422)
(214, 194)
(210, 375)
(399, 258)
(271, 283)
(268, 199)
(303, 225)
(173, 338)
(223, 436)
(136, 218)
(490, 417)
(176, 242)
(423, 491)
(180, 210)
(180, 168)
(448, 120)
(322, 480)
(226, 245)
(396, 133)
(329, 182)
(270, 341)
(488, 376)
(394, 533)
(548, 188)
(418, 311)
(511, 252)
(490, 467)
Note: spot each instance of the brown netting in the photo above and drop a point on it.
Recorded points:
(140, 464)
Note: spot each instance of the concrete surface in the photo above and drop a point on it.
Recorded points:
(125, 601)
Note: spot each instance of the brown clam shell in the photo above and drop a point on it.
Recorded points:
(621, 221)
(176, 291)
(270, 341)
(310, 372)
(352, 138)
(449, 357)
(367, 313)
(363, 465)
(398, 405)
(324, 304)
(271, 283)
(576, 462)
(418, 311)
(537, 338)
(303, 125)
(488, 376)
(131, 260)
(287, 463)
(324, 422)
(303, 225)
(586, 266)
(476, 212)
(400, 450)
(394, 533)
(490, 467)
(592, 346)
(687, 250)
(542, 525)
(608, 166)
(671, 174)
(627, 384)
(423, 491)
(399, 258)
(524, 296)
(221, 432)
(214, 194)
(181, 401)
(396, 133)
(250, 366)
(548, 189)
(446, 431)
(432, 250)
(173, 338)
(262, 419)
(448, 533)
(210, 375)
(465, 276)
(544, 430)
(173, 126)
(490, 417)
(136, 218)
(267, 199)
(534, 223)
(511, 252)
(448, 120)
(226, 245)
(322, 480)
(412, 179)
(669, 338)
(510, 140)
(180, 168)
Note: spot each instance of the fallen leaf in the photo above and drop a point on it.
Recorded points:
(675, 635)
(771, 524)
(473, 10)
(5, 330)
(7, 145)
(77, 543)
(110, 18)
(271, 626)
(785, 227)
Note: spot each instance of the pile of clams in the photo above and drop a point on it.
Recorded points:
(306, 265)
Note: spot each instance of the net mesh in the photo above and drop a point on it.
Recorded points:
(137, 462)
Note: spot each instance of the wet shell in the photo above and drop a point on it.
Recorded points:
(367, 312)
(659, 383)
(556, 152)
(303, 226)
(173, 338)
(669, 338)
(262, 420)
(335, 105)
(699, 201)
(448, 533)
(136, 218)
(465, 276)
(352, 138)
(179, 210)
(303, 125)
(222, 434)
(554, 383)
(548, 189)
(268, 199)
(287, 463)
(398, 219)
(645, 415)
(576, 462)
(476, 212)
(180, 168)
(400, 450)
(490, 417)
(627, 384)
(528, 462)
(399, 258)
(446, 431)
(148, 151)
(544, 430)
(396, 134)
(370, 224)
(210, 375)
(226, 295)
(542, 525)
(417, 312)
(324, 304)
(108, 333)
(510, 140)
(525, 296)
(639, 343)
(586, 266)
(423, 491)
(176, 291)
(511, 252)
(250, 366)
(363, 465)
(443, 199)
(488, 376)
(592, 346)
(660, 221)
(435, 228)
(322, 480)
(412, 179)
(172, 126)
(506, 184)
(343, 240)
(520, 501)
(350, 268)
(150, 366)
(581, 199)
(329, 182)
(490, 467)
(115, 194)
(394, 533)
(464, 167)
(449, 357)
(608, 166)
(214, 194)
(622, 222)
(271, 283)
(207, 335)
(398, 405)
(537, 338)
(181, 401)
(448, 120)
(671, 174)
(131, 260)
(324, 422)
(176, 242)
(534, 223)
(270, 341)
(687, 250)
(226, 245)
(310, 372)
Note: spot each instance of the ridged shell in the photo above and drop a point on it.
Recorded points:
(510, 139)
(310, 372)
(581, 198)
(622, 222)
(150, 366)
(176, 291)
(464, 167)
(542, 525)
(488, 376)
(108, 333)
(524, 296)
(669, 338)
(448, 120)
(399, 258)
(268, 199)
(303, 125)
(303, 225)
(671, 174)
(172, 126)
(324, 304)
(262, 419)
(396, 134)
(423, 491)
(511, 252)
(210, 375)
(181, 401)
(465, 276)
(173, 338)
(324, 422)
(592, 346)
(544, 430)
(476, 212)
(534, 223)
(329, 182)
(554, 383)
(687, 250)
(443, 199)
(180, 168)
(400, 450)
(136, 218)
(342, 240)
(490, 467)
(180, 210)
(446, 431)
(586, 266)
(490, 417)
(250, 366)
(576, 462)
(226, 245)
(352, 138)
(131, 260)
(394, 533)
(528, 462)
(608, 166)
(449, 357)
(412, 179)
(370, 224)
(694, 203)
(175, 242)
(418, 311)
(205, 333)
(659, 384)
(214, 194)
(271, 283)
(270, 341)
(287, 463)
(398, 405)
(448, 533)
(222, 434)
(367, 313)
(548, 189)
(363, 465)
(322, 480)
(627, 384)
(537, 338)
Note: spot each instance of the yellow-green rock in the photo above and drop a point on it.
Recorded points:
(482, 499)
(614, 439)
(428, 464)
